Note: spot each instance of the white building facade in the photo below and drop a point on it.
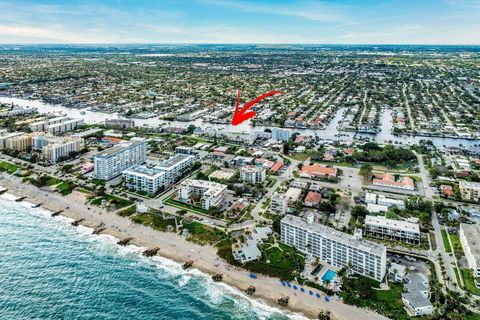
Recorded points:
(334, 247)
(112, 162)
(279, 203)
(152, 179)
(210, 193)
(253, 174)
(470, 240)
(381, 227)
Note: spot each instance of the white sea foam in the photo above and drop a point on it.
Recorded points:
(215, 290)
(184, 280)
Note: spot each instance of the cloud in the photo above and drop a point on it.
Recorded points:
(235, 21)
(309, 10)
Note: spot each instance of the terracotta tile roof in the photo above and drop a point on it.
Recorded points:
(317, 170)
(277, 166)
(313, 197)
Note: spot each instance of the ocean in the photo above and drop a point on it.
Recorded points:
(51, 270)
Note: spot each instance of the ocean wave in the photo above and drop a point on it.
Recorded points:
(216, 292)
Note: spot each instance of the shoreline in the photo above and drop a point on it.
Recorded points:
(176, 248)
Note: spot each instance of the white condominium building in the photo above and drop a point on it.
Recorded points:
(334, 247)
(151, 178)
(175, 166)
(112, 162)
(210, 193)
(384, 228)
(65, 126)
(279, 203)
(143, 178)
(470, 239)
(52, 152)
(253, 174)
(43, 124)
(469, 190)
(382, 200)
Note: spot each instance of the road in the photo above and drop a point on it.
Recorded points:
(407, 105)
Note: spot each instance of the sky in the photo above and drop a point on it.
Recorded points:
(237, 21)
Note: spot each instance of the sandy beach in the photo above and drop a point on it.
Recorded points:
(174, 247)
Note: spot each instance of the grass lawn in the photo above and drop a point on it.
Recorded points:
(457, 275)
(51, 181)
(65, 188)
(265, 204)
(186, 206)
(7, 166)
(300, 156)
(336, 164)
(97, 182)
(392, 298)
(155, 221)
(362, 292)
(446, 243)
(203, 234)
(278, 258)
(457, 246)
(283, 257)
(400, 168)
(118, 202)
(469, 281)
(271, 183)
(127, 212)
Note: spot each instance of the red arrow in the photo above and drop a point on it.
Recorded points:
(244, 114)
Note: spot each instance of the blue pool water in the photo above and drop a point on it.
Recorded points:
(51, 270)
(329, 275)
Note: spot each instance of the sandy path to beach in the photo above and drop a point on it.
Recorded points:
(176, 248)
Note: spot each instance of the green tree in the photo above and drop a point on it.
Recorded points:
(359, 211)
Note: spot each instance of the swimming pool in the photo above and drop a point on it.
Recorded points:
(329, 275)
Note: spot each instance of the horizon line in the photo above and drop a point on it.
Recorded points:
(233, 43)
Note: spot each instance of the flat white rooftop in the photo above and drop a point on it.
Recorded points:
(384, 222)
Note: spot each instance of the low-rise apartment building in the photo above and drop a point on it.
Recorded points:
(334, 247)
(279, 203)
(469, 190)
(381, 227)
(120, 123)
(390, 181)
(65, 126)
(209, 193)
(253, 174)
(42, 125)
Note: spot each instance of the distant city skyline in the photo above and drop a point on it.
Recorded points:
(235, 21)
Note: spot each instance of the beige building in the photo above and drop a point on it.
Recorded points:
(469, 190)
(4, 136)
(19, 143)
(52, 152)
